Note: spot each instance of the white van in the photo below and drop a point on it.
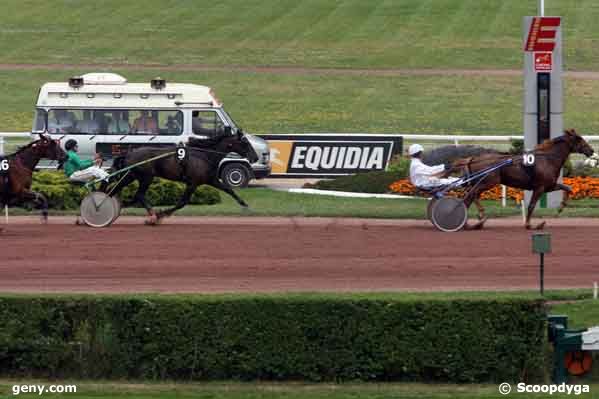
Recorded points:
(108, 115)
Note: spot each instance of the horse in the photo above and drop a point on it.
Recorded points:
(15, 182)
(540, 176)
(199, 166)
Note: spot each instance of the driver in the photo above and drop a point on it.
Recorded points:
(424, 176)
(82, 171)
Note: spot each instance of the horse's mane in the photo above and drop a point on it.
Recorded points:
(548, 143)
(23, 147)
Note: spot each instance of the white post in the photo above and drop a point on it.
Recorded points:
(503, 196)
(523, 206)
(595, 289)
(455, 141)
(541, 8)
(1, 145)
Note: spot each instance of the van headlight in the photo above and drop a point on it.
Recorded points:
(265, 158)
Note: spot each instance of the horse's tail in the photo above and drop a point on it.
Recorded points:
(119, 162)
(450, 153)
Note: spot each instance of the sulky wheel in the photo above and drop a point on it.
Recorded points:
(117, 207)
(449, 214)
(98, 209)
(429, 209)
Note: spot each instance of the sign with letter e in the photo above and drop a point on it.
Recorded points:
(329, 155)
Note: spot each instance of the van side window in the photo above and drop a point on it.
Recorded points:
(207, 123)
(111, 121)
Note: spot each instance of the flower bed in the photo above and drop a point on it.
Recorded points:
(582, 187)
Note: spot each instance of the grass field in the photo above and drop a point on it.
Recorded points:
(351, 34)
(302, 103)
(316, 33)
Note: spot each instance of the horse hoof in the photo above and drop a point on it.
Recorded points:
(476, 226)
(152, 220)
(540, 226)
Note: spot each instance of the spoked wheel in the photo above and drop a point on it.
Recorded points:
(449, 214)
(98, 209)
(117, 206)
(429, 209)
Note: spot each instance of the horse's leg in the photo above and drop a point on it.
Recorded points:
(224, 187)
(567, 191)
(531, 207)
(39, 202)
(116, 190)
(184, 200)
(140, 196)
(474, 196)
(480, 207)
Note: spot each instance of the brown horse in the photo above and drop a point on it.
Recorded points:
(540, 176)
(17, 173)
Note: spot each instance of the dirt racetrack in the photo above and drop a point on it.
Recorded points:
(288, 254)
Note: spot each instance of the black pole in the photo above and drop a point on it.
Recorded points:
(542, 270)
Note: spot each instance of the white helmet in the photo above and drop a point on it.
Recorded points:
(415, 149)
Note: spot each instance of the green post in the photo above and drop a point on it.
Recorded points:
(541, 244)
(543, 201)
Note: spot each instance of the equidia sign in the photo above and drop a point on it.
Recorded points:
(330, 154)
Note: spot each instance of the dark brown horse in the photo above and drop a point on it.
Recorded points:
(17, 173)
(540, 176)
(198, 166)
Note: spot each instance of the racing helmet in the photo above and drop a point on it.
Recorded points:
(70, 144)
(415, 149)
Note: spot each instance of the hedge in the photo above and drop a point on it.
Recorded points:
(63, 195)
(305, 337)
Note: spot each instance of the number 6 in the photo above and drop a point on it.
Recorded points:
(528, 159)
(4, 165)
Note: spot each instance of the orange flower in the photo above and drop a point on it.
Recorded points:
(582, 187)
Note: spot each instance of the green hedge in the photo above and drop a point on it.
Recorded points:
(308, 337)
(63, 195)
(370, 182)
(367, 182)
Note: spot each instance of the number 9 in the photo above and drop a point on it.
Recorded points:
(181, 154)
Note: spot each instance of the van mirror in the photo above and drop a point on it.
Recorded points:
(228, 130)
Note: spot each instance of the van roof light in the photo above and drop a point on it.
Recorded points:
(103, 78)
(76, 82)
(158, 83)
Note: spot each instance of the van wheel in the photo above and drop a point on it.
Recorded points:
(235, 175)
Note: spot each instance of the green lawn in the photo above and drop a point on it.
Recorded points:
(318, 103)
(317, 33)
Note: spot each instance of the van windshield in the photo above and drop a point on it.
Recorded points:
(107, 121)
(230, 120)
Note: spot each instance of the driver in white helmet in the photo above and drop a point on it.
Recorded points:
(424, 176)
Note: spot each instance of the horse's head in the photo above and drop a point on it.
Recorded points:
(577, 143)
(47, 148)
(239, 144)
